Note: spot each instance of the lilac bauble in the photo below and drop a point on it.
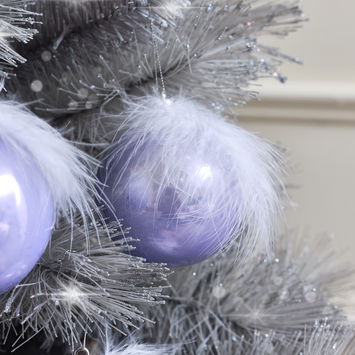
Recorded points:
(26, 215)
(175, 219)
(187, 181)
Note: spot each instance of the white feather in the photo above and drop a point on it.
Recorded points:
(64, 167)
(138, 349)
(182, 127)
(131, 346)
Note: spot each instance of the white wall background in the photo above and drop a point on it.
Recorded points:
(326, 43)
(313, 115)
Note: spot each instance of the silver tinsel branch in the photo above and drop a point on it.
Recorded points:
(74, 54)
(65, 18)
(282, 306)
(78, 288)
(80, 69)
(208, 49)
(325, 339)
(15, 25)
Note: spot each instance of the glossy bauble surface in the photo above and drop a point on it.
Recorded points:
(176, 218)
(26, 215)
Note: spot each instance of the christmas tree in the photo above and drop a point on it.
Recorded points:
(136, 216)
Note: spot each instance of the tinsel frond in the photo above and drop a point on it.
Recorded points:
(327, 339)
(93, 46)
(207, 50)
(74, 289)
(64, 18)
(283, 306)
(15, 25)
(216, 54)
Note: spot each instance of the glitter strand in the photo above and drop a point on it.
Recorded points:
(13, 15)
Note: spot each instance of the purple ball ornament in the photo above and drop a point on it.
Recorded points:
(174, 225)
(187, 182)
(26, 215)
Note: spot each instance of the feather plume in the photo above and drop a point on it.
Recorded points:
(132, 346)
(65, 167)
(249, 184)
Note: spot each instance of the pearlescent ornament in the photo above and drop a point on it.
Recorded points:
(26, 215)
(174, 220)
(186, 182)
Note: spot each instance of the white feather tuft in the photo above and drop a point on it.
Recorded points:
(64, 167)
(138, 349)
(131, 346)
(251, 185)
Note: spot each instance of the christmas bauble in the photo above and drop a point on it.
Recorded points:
(175, 225)
(186, 181)
(26, 215)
